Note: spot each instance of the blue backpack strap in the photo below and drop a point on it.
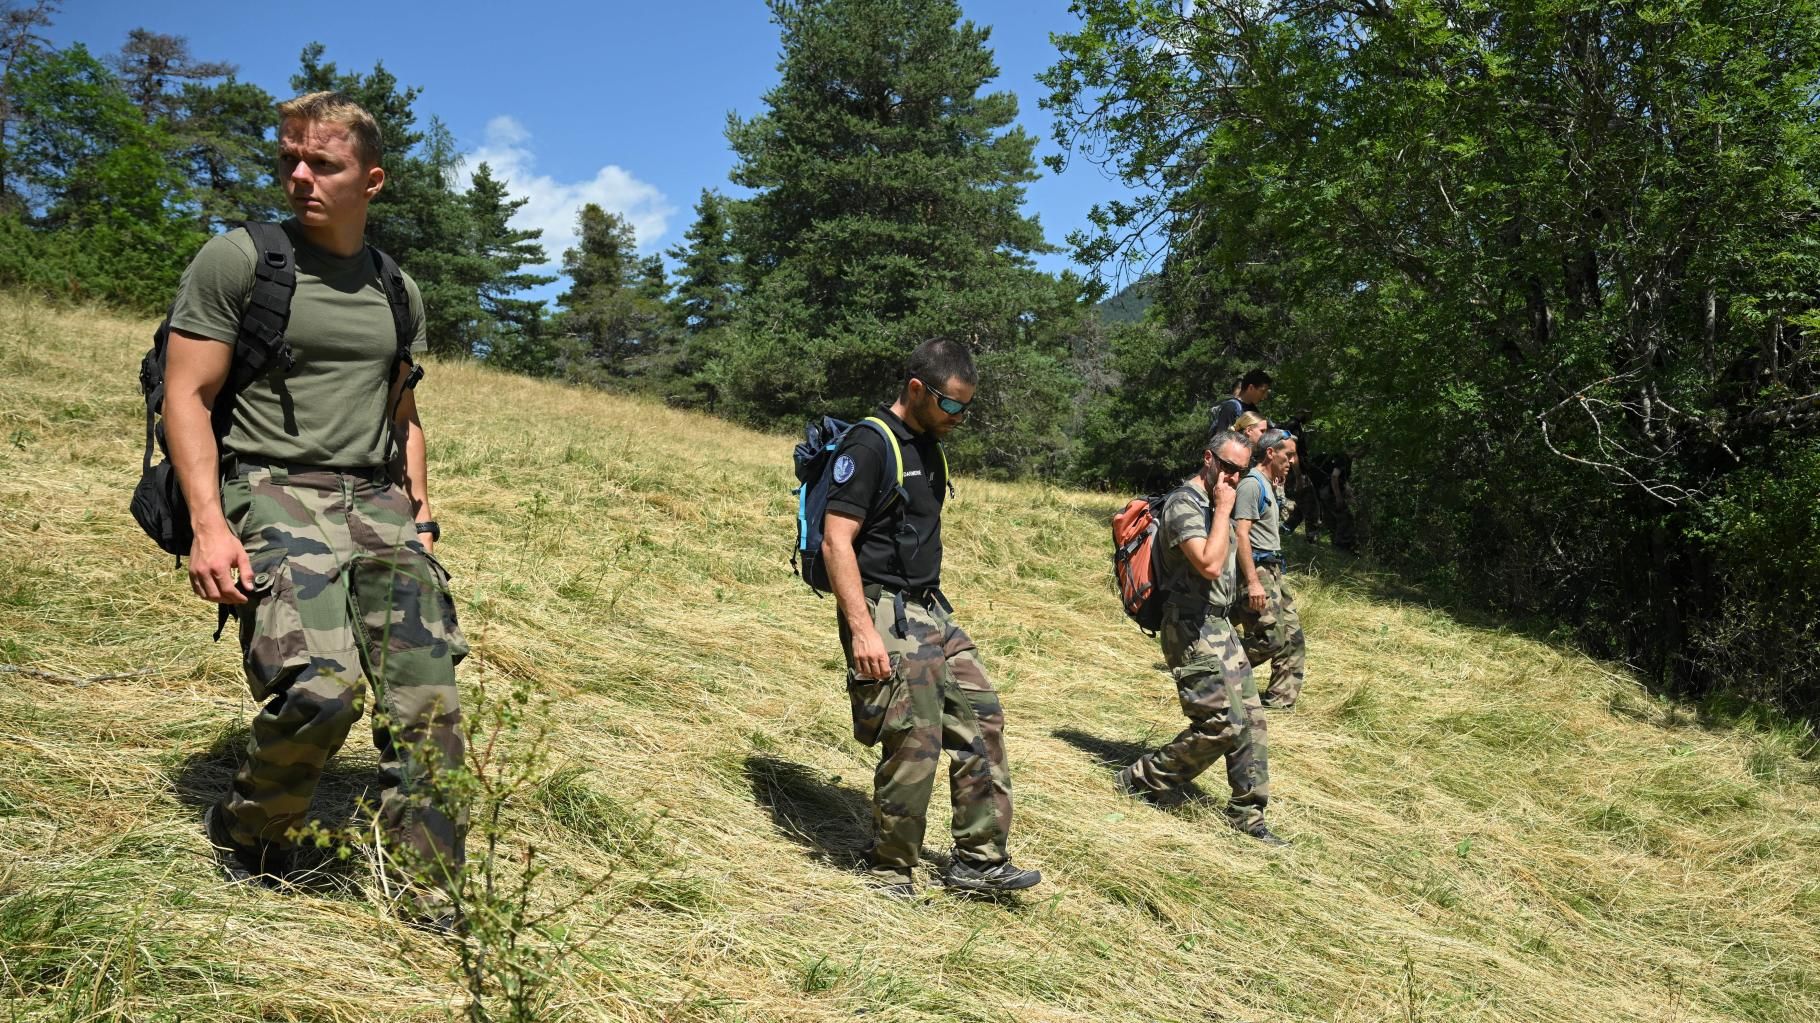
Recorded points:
(1264, 490)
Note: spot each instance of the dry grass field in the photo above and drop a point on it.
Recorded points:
(1485, 826)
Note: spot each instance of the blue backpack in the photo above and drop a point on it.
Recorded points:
(814, 459)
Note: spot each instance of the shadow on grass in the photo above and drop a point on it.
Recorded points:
(1111, 754)
(1115, 754)
(205, 776)
(834, 822)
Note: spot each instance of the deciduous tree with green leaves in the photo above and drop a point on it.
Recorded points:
(1551, 266)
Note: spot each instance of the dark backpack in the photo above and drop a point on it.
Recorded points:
(814, 462)
(259, 346)
(1137, 560)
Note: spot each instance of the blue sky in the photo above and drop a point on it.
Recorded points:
(624, 104)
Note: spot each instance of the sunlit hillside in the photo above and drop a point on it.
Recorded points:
(1486, 826)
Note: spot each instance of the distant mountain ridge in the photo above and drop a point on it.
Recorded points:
(1131, 302)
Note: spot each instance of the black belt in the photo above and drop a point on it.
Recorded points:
(926, 596)
(1197, 611)
(240, 465)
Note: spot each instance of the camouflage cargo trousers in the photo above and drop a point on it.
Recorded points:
(937, 698)
(343, 594)
(1275, 635)
(1225, 719)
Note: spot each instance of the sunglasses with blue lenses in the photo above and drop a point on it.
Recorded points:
(943, 402)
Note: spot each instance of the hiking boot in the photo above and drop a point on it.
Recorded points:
(900, 890)
(262, 864)
(1261, 831)
(1126, 783)
(1000, 877)
(444, 924)
(1278, 704)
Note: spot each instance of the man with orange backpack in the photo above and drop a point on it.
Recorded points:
(1197, 585)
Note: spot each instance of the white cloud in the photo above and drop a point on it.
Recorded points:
(554, 204)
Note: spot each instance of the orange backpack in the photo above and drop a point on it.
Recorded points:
(1137, 564)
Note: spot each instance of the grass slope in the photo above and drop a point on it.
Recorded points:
(1486, 827)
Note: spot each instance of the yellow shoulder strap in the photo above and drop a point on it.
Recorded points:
(897, 453)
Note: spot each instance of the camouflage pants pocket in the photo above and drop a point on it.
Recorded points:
(458, 643)
(871, 700)
(272, 635)
(405, 617)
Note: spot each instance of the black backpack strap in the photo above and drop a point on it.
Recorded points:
(260, 344)
(391, 281)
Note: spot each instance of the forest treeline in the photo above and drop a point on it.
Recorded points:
(1546, 270)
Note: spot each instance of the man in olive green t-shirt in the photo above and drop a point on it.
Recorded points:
(309, 528)
(1266, 615)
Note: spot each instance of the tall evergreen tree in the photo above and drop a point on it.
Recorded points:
(224, 137)
(708, 267)
(613, 312)
(886, 210)
(505, 251)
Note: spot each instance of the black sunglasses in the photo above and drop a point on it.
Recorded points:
(942, 401)
(1224, 466)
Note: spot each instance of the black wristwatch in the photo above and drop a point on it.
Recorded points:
(429, 526)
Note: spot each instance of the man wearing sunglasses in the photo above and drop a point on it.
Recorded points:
(1266, 616)
(914, 679)
(1212, 676)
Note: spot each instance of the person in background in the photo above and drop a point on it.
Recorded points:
(1266, 613)
(1251, 391)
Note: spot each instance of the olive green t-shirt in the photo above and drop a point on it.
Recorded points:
(329, 408)
(1262, 503)
(1187, 515)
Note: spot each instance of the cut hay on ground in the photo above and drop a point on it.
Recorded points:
(1486, 826)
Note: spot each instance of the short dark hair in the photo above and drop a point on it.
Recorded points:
(1256, 378)
(939, 360)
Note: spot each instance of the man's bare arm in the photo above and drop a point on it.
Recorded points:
(415, 473)
(1248, 567)
(869, 657)
(195, 370)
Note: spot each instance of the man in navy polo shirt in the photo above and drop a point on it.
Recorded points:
(914, 679)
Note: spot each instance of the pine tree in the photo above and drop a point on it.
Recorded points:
(708, 268)
(223, 134)
(151, 62)
(507, 251)
(97, 178)
(219, 131)
(886, 210)
(613, 312)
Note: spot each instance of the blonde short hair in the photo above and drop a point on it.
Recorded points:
(336, 108)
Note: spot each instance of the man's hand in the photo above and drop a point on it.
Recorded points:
(1256, 596)
(215, 557)
(869, 657)
(1224, 493)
